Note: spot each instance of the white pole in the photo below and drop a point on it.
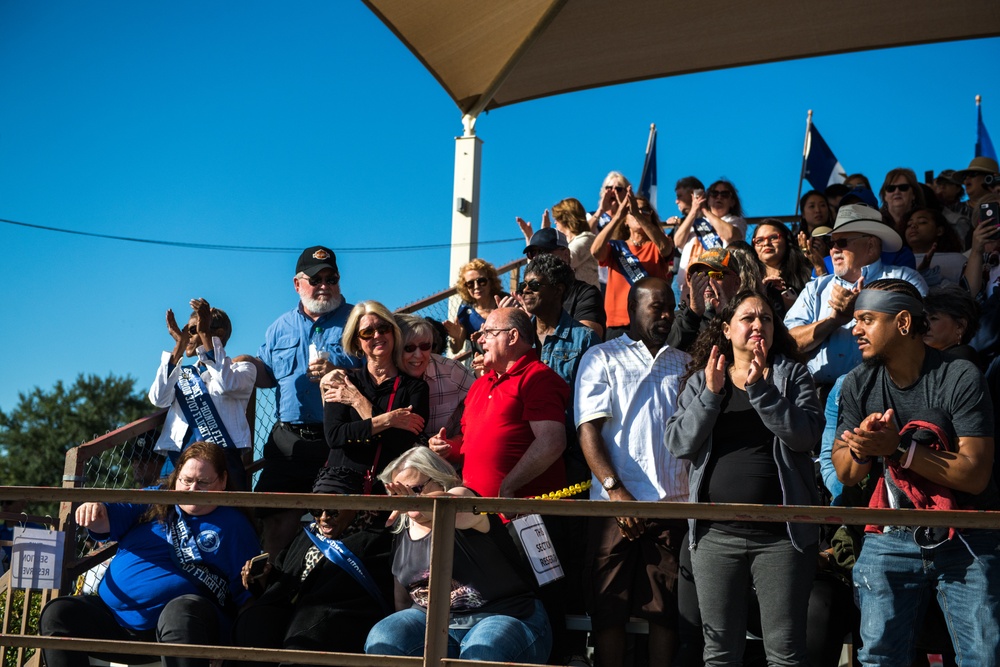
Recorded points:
(465, 203)
(805, 153)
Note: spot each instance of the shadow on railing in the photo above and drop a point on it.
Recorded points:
(442, 545)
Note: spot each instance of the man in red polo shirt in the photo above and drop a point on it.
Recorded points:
(513, 427)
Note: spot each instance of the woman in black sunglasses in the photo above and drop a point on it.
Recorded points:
(478, 286)
(375, 413)
(900, 194)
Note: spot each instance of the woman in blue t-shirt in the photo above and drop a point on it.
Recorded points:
(176, 576)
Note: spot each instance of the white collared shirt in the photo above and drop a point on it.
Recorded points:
(634, 394)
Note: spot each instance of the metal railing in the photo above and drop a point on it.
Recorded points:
(444, 511)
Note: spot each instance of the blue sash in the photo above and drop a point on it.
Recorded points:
(706, 234)
(199, 410)
(627, 262)
(341, 556)
(187, 556)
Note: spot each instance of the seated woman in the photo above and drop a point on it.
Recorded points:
(478, 287)
(785, 269)
(364, 435)
(494, 613)
(816, 214)
(176, 577)
(748, 417)
(313, 599)
(937, 250)
(953, 316)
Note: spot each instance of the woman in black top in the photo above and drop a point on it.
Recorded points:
(365, 435)
(495, 615)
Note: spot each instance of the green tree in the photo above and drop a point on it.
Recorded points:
(35, 435)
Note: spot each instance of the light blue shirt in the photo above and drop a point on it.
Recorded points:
(839, 353)
(285, 352)
(563, 348)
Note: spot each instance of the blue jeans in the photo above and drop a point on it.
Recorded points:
(894, 579)
(725, 566)
(496, 638)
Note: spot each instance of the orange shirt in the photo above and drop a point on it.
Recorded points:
(616, 294)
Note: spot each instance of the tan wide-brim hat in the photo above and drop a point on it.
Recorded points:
(862, 219)
(979, 165)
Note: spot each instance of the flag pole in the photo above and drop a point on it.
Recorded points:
(805, 152)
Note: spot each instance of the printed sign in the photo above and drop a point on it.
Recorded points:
(535, 539)
(36, 558)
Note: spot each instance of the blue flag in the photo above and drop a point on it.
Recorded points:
(822, 167)
(647, 184)
(984, 147)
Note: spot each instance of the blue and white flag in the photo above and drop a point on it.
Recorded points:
(984, 146)
(647, 184)
(822, 166)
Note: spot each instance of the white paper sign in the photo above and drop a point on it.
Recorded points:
(36, 558)
(535, 539)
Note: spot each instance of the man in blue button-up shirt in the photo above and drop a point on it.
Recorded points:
(299, 348)
(822, 316)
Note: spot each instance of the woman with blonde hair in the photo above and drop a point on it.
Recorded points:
(478, 286)
(495, 615)
(374, 413)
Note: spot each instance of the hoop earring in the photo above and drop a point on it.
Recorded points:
(904, 331)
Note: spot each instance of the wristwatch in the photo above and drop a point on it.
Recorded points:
(610, 483)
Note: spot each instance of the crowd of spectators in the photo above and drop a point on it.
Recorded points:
(692, 358)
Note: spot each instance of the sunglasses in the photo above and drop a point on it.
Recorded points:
(530, 286)
(315, 281)
(616, 188)
(772, 238)
(481, 281)
(369, 333)
(714, 275)
(645, 211)
(318, 513)
(843, 243)
(902, 187)
(721, 194)
(412, 347)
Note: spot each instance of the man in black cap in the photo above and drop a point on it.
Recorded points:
(582, 301)
(300, 348)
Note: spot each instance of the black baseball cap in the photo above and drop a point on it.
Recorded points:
(315, 259)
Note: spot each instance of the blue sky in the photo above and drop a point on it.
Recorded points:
(292, 124)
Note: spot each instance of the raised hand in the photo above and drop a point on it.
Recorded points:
(203, 316)
(178, 334)
(715, 371)
(526, 228)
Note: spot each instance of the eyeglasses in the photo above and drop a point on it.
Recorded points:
(316, 281)
(902, 187)
(318, 513)
(369, 333)
(721, 194)
(481, 281)
(412, 347)
(487, 333)
(770, 239)
(531, 286)
(191, 481)
(843, 243)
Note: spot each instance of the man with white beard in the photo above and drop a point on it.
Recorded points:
(300, 348)
(822, 317)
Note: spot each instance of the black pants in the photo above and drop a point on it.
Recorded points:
(188, 619)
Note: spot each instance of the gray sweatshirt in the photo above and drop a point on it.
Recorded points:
(788, 405)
